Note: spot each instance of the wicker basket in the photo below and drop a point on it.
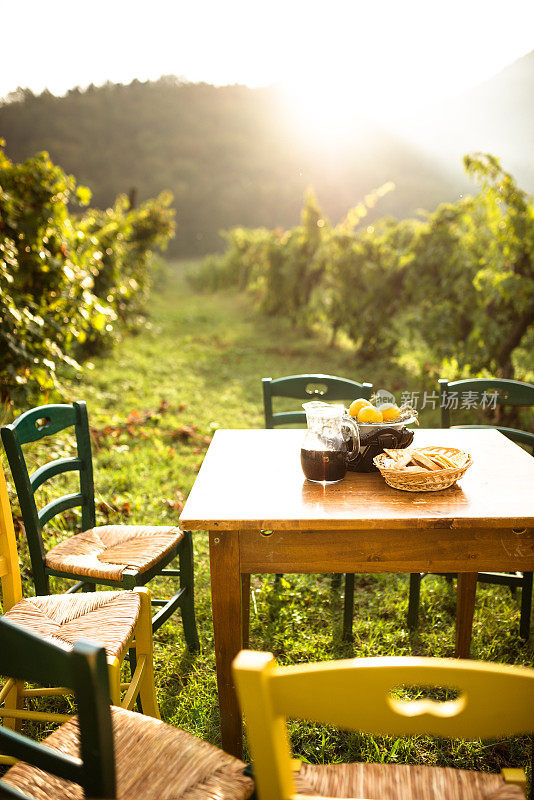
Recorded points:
(425, 480)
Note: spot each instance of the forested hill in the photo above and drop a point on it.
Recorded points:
(231, 155)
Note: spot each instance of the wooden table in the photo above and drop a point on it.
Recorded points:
(263, 516)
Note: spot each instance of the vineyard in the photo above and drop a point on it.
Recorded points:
(448, 294)
(68, 281)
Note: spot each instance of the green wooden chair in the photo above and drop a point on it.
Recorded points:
(27, 657)
(505, 392)
(327, 388)
(121, 621)
(107, 752)
(122, 556)
(500, 392)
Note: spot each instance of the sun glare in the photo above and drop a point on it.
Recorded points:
(353, 82)
(326, 109)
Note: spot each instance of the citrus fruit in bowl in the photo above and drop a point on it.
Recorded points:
(390, 412)
(386, 415)
(368, 414)
(357, 405)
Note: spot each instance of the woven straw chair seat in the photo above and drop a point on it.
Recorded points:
(401, 781)
(106, 617)
(153, 760)
(106, 551)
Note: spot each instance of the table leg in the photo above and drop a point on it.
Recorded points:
(226, 612)
(465, 609)
(245, 609)
(348, 607)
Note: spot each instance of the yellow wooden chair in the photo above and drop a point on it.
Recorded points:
(494, 700)
(117, 620)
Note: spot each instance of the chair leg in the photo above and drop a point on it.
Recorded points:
(13, 699)
(348, 607)
(132, 660)
(187, 580)
(526, 605)
(413, 602)
(336, 580)
(144, 649)
(114, 671)
(245, 610)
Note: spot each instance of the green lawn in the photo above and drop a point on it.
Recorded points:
(153, 405)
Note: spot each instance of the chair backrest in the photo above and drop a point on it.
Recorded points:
(487, 393)
(308, 387)
(358, 694)
(25, 656)
(32, 426)
(9, 561)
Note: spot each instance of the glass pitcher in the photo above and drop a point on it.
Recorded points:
(325, 451)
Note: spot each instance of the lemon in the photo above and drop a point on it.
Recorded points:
(390, 412)
(356, 405)
(369, 414)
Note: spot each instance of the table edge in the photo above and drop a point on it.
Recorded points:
(468, 523)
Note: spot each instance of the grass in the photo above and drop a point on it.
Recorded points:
(153, 405)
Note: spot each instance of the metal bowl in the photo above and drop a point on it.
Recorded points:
(365, 427)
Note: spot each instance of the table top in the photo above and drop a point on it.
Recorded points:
(253, 480)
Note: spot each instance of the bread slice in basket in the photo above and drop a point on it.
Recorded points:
(424, 459)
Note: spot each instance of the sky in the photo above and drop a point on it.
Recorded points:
(381, 55)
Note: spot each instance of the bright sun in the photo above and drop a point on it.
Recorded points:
(352, 83)
(327, 108)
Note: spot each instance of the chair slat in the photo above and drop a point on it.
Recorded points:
(289, 418)
(54, 418)
(509, 392)
(338, 693)
(322, 387)
(59, 505)
(54, 468)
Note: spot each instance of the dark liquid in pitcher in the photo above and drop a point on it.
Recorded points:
(323, 465)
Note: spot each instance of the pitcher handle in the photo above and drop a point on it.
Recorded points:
(354, 432)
